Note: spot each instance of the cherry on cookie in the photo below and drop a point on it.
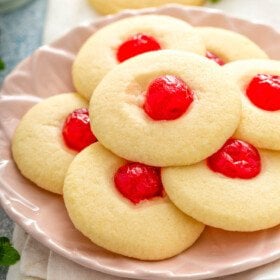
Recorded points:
(264, 92)
(259, 83)
(76, 130)
(127, 38)
(38, 147)
(151, 230)
(135, 45)
(168, 98)
(137, 182)
(236, 159)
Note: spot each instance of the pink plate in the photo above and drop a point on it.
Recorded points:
(43, 215)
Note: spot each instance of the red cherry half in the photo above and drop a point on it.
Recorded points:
(135, 45)
(264, 92)
(236, 159)
(137, 182)
(167, 98)
(76, 130)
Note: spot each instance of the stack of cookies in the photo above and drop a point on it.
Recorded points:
(172, 128)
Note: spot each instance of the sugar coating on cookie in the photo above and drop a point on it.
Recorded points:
(227, 203)
(229, 45)
(151, 230)
(99, 53)
(110, 7)
(122, 125)
(258, 126)
(38, 146)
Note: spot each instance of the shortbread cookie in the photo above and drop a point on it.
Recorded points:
(48, 138)
(224, 46)
(116, 216)
(165, 108)
(126, 38)
(110, 7)
(236, 190)
(259, 82)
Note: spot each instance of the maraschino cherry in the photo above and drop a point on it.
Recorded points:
(167, 98)
(137, 182)
(236, 159)
(215, 58)
(135, 45)
(76, 130)
(264, 92)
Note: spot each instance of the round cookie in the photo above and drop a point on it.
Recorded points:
(259, 127)
(229, 203)
(99, 53)
(121, 124)
(110, 7)
(151, 230)
(38, 146)
(228, 45)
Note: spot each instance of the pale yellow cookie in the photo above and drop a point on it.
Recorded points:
(222, 202)
(151, 230)
(259, 127)
(38, 146)
(229, 45)
(121, 124)
(114, 6)
(99, 53)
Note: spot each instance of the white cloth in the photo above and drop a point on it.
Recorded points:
(37, 262)
(63, 15)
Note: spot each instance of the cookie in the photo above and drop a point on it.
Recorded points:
(165, 108)
(49, 136)
(126, 38)
(110, 7)
(224, 46)
(259, 82)
(150, 229)
(237, 189)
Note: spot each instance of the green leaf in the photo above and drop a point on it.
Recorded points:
(2, 64)
(8, 254)
(214, 1)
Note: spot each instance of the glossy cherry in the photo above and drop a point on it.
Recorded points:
(236, 159)
(264, 92)
(76, 130)
(215, 58)
(137, 182)
(167, 98)
(135, 45)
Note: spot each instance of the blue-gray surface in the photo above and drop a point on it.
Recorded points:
(20, 34)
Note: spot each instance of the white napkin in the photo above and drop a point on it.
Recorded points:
(37, 262)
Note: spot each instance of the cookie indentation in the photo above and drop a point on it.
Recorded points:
(215, 58)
